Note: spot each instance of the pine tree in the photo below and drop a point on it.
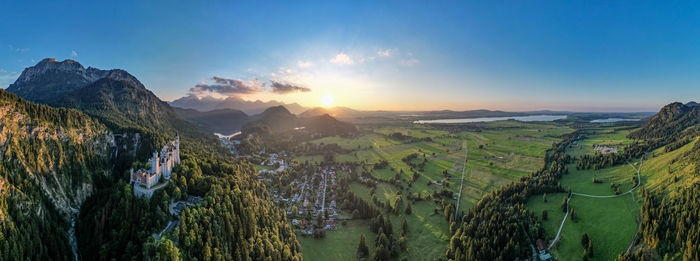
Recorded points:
(404, 226)
(362, 249)
(584, 239)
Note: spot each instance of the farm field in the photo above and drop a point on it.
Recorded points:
(498, 155)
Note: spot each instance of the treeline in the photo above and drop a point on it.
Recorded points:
(498, 226)
(361, 209)
(386, 245)
(406, 138)
(599, 160)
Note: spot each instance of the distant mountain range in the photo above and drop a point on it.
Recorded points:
(277, 119)
(208, 103)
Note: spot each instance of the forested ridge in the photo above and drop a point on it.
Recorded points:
(236, 221)
(670, 220)
(49, 159)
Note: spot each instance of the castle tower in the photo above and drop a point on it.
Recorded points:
(155, 163)
(176, 153)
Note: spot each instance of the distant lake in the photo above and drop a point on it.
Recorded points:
(612, 120)
(221, 136)
(488, 119)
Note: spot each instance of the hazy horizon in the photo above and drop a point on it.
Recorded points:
(398, 56)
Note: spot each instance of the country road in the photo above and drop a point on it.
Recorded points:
(461, 184)
(639, 182)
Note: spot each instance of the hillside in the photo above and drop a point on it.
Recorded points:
(279, 119)
(49, 163)
(669, 122)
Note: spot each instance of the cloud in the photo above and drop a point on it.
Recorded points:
(409, 62)
(342, 59)
(304, 64)
(285, 88)
(228, 87)
(385, 53)
(17, 49)
(73, 53)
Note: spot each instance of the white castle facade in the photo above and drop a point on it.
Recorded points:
(161, 165)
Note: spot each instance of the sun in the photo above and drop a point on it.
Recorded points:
(327, 100)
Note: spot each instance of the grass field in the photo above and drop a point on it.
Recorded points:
(609, 222)
(601, 135)
(581, 181)
(554, 212)
(337, 245)
(498, 155)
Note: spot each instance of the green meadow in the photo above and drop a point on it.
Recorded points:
(498, 155)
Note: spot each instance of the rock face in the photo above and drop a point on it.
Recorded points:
(49, 78)
(55, 153)
(115, 97)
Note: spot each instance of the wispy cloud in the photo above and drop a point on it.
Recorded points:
(285, 88)
(342, 59)
(7, 78)
(227, 87)
(385, 53)
(73, 53)
(304, 64)
(409, 60)
(17, 49)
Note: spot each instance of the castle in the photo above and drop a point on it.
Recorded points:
(161, 166)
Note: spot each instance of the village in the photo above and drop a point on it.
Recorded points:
(309, 198)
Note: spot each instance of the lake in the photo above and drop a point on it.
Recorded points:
(488, 119)
(612, 120)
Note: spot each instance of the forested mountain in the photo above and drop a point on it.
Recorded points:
(59, 160)
(50, 159)
(670, 121)
(335, 112)
(223, 121)
(279, 119)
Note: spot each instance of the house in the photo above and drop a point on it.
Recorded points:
(544, 256)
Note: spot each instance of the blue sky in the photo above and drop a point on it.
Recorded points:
(526, 55)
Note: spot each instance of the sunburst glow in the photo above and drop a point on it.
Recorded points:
(327, 100)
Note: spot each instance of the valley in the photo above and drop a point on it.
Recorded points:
(320, 188)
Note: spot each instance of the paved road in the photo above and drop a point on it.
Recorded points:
(639, 182)
(459, 198)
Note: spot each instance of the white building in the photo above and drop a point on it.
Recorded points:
(161, 166)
